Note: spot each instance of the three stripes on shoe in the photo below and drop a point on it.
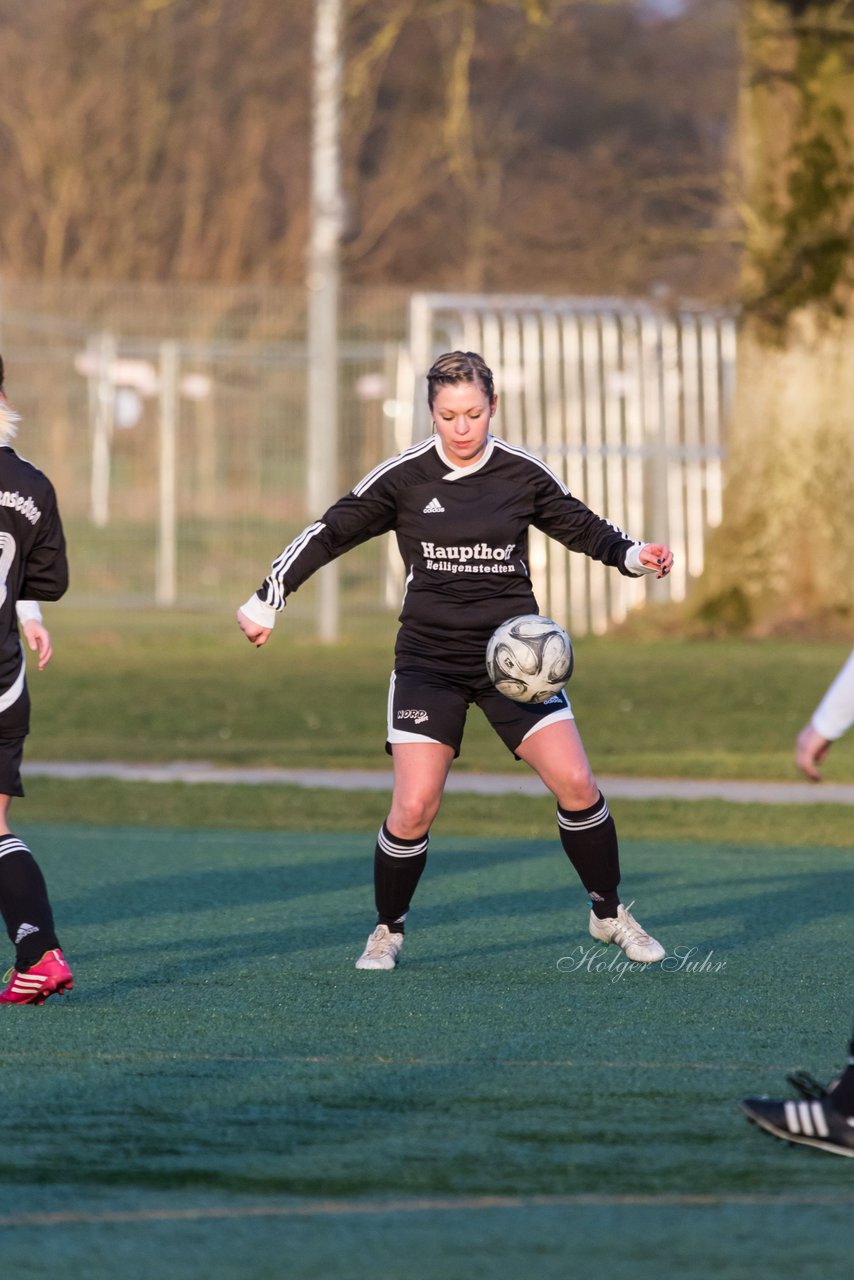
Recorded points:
(806, 1118)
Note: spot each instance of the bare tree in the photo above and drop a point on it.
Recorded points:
(145, 141)
(511, 145)
(504, 144)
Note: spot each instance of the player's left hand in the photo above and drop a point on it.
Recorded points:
(38, 638)
(657, 556)
(810, 751)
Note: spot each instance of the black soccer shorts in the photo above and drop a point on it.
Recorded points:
(14, 727)
(426, 705)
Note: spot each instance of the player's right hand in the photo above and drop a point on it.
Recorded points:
(38, 638)
(254, 633)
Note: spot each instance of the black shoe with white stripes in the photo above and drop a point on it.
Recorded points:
(811, 1120)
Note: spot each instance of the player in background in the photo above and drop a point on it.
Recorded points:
(822, 1118)
(461, 503)
(33, 567)
(833, 717)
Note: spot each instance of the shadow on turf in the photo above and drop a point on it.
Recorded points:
(218, 961)
(207, 888)
(753, 906)
(760, 907)
(303, 898)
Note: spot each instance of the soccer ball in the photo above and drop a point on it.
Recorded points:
(529, 658)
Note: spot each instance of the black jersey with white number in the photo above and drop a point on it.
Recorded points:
(33, 563)
(463, 536)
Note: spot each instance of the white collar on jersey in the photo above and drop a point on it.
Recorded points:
(9, 419)
(456, 472)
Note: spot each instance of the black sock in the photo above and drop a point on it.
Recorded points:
(842, 1095)
(24, 903)
(589, 839)
(397, 869)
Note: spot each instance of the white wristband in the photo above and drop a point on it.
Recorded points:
(633, 560)
(264, 615)
(28, 611)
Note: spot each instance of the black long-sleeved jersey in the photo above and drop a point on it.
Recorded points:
(463, 536)
(33, 561)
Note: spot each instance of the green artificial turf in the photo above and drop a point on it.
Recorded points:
(224, 1095)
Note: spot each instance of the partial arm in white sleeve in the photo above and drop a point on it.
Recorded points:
(835, 713)
(28, 611)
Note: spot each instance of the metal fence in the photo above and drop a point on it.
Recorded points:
(172, 421)
(627, 402)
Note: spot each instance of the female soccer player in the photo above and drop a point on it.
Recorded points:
(461, 503)
(33, 567)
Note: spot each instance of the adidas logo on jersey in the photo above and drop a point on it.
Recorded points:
(433, 506)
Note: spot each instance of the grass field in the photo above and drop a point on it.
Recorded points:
(224, 1096)
(160, 686)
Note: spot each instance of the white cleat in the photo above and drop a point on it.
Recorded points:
(625, 932)
(382, 949)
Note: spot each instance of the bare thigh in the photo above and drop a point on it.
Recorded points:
(420, 773)
(557, 754)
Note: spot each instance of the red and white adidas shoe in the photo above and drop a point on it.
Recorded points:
(49, 976)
